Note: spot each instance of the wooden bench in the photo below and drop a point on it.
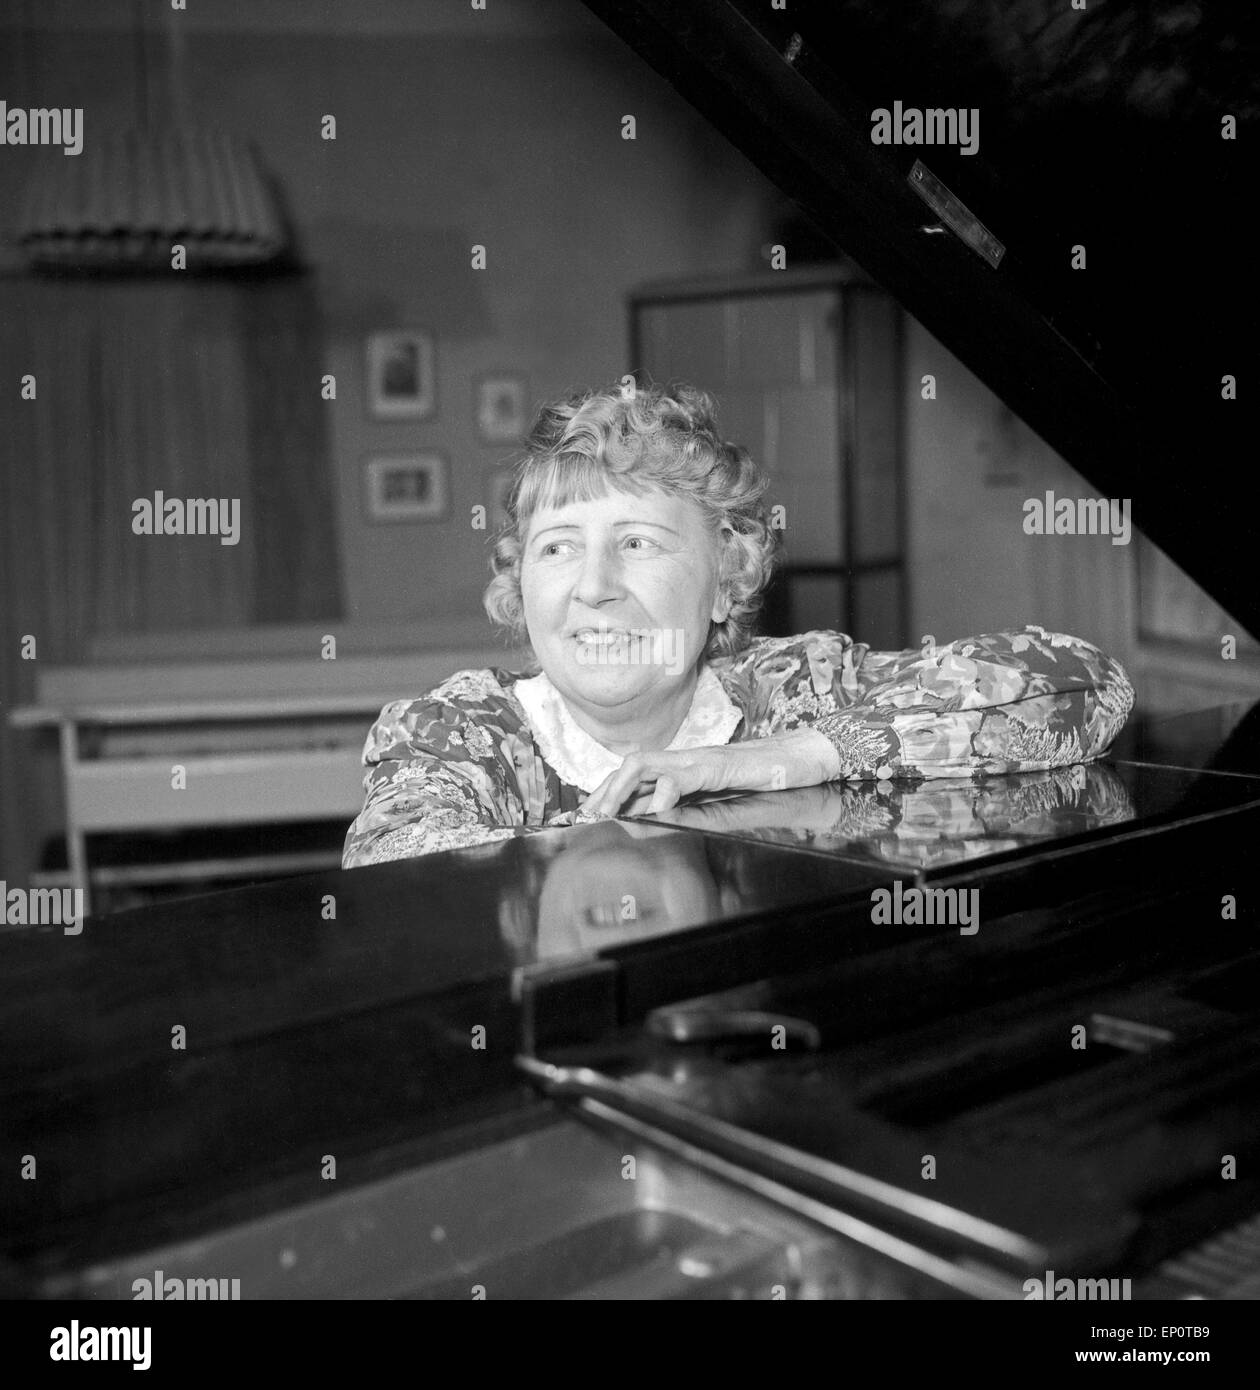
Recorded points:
(264, 740)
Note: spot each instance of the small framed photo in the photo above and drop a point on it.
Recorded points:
(499, 482)
(502, 406)
(406, 487)
(400, 378)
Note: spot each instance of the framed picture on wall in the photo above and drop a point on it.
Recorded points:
(406, 487)
(501, 402)
(400, 376)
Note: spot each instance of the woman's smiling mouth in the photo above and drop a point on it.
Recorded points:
(593, 636)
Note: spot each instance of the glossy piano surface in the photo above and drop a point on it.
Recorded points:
(1223, 739)
(939, 826)
(377, 1016)
(1058, 1083)
(178, 1066)
(1073, 1064)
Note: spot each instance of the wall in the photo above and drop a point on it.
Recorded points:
(971, 464)
(502, 128)
(454, 127)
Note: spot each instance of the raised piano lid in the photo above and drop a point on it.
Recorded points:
(1100, 130)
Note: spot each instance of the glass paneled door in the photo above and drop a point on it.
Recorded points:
(806, 370)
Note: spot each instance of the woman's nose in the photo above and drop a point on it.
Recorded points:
(600, 578)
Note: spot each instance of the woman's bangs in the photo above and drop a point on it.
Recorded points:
(567, 478)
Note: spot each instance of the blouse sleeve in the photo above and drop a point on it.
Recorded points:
(444, 771)
(1004, 702)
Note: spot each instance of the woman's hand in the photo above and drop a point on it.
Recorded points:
(802, 758)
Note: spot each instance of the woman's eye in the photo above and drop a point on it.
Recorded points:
(641, 542)
(552, 549)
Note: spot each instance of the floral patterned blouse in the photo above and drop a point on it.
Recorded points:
(491, 753)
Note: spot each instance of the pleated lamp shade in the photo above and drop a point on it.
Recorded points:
(127, 200)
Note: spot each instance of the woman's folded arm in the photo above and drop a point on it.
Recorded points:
(417, 806)
(1002, 702)
(444, 772)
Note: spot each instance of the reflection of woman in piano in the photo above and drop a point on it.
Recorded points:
(633, 560)
(926, 824)
(620, 880)
(624, 880)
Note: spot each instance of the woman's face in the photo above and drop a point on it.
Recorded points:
(618, 596)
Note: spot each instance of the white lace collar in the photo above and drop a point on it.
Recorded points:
(584, 762)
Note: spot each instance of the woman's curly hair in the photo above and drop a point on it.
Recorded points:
(636, 439)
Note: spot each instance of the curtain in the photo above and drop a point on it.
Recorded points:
(195, 387)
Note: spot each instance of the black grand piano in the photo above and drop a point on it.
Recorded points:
(465, 1076)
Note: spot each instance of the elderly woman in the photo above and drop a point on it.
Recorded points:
(633, 560)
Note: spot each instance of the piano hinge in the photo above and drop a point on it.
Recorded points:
(955, 214)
